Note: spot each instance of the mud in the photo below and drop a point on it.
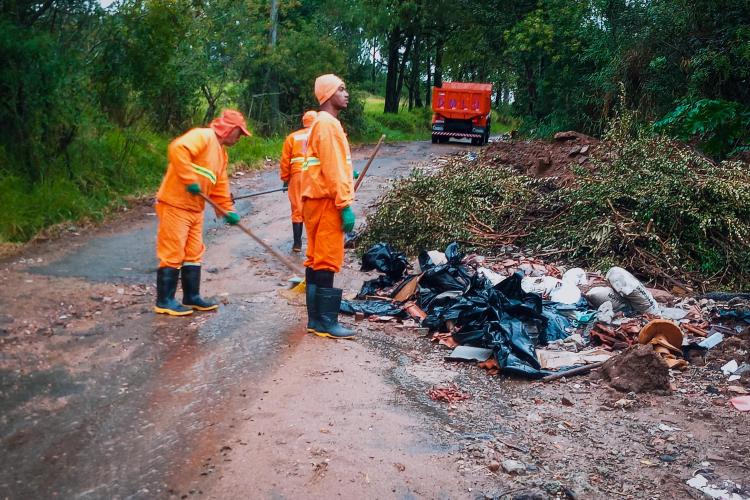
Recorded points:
(539, 158)
(99, 398)
(637, 369)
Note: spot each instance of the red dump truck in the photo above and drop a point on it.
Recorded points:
(461, 110)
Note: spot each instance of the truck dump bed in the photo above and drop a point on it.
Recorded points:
(462, 101)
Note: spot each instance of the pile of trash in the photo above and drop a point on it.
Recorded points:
(519, 315)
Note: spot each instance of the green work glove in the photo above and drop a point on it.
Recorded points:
(232, 218)
(194, 188)
(285, 187)
(347, 219)
(356, 175)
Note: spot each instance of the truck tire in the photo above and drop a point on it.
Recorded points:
(435, 139)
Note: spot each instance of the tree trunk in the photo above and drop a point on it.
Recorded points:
(439, 63)
(428, 92)
(402, 71)
(414, 98)
(274, 83)
(391, 77)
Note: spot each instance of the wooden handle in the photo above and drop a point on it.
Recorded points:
(367, 165)
(573, 371)
(260, 242)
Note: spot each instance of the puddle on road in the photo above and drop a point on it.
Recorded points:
(126, 421)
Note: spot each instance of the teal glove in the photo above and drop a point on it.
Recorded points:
(356, 175)
(232, 218)
(194, 188)
(347, 219)
(285, 187)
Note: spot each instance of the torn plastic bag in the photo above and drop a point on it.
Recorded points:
(743, 314)
(514, 350)
(385, 259)
(557, 325)
(372, 307)
(369, 287)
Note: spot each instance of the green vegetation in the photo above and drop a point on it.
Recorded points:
(414, 125)
(656, 207)
(89, 96)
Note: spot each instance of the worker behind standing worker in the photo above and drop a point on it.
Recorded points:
(327, 195)
(197, 164)
(292, 158)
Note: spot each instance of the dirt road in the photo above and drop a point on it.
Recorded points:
(100, 398)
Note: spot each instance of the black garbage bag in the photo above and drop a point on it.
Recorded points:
(385, 259)
(372, 307)
(369, 287)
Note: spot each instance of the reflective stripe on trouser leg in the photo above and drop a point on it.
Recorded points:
(325, 237)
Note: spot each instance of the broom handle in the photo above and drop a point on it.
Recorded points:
(367, 165)
(260, 242)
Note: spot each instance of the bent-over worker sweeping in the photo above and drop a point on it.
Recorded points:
(197, 164)
(327, 195)
(292, 158)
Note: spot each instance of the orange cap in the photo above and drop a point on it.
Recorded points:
(326, 86)
(308, 118)
(228, 120)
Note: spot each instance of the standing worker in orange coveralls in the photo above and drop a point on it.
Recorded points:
(292, 158)
(327, 195)
(197, 164)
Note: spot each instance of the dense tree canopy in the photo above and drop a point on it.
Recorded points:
(71, 68)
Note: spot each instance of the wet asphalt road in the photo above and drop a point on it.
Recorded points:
(133, 420)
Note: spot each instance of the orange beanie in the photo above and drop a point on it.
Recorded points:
(228, 120)
(308, 118)
(326, 86)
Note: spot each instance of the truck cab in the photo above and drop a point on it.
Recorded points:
(462, 110)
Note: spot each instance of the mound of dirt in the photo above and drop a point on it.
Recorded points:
(637, 369)
(544, 158)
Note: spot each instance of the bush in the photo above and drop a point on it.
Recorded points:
(720, 128)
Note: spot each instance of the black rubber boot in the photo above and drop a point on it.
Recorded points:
(166, 286)
(328, 301)
(312, 306)
(191, 290)
(297, 232)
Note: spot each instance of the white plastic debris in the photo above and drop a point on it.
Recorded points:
(700, 483)
(564, 292)
(576, 276)
(711, 341)
(605, 312)
(730, 367)
(491, 275)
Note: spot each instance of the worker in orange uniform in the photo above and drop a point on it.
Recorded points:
(197, 164)
(327, 195)
(292, 158)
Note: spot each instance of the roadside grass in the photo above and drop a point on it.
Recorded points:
(406, 125)
(106, 168)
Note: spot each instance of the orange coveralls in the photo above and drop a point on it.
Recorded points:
(292, 158)
(327, 187)
(196, 156)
